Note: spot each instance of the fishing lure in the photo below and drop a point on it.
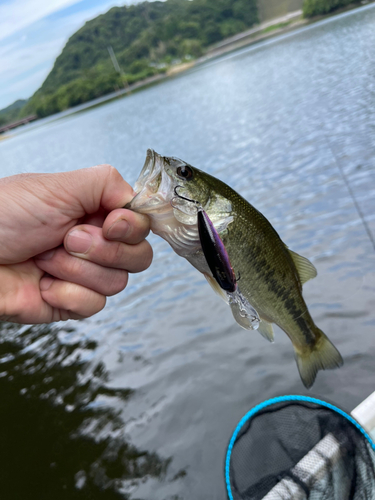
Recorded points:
(215, 253)
(218, 261)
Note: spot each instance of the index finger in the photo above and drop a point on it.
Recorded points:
(126, 226)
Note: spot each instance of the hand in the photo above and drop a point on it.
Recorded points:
(66, 243)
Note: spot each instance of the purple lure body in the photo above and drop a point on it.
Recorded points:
(215, 253)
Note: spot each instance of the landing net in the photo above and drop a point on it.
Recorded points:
(297, 448)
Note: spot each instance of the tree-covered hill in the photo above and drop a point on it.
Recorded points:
(146, 38)
(11, 113)
(319, 7)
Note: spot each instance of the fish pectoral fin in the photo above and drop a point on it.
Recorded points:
(266, 330)
(216, 287)
(322, 356)
(306, 270)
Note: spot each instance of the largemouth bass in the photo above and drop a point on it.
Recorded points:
(270, 276)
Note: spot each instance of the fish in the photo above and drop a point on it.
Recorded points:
(268, 290)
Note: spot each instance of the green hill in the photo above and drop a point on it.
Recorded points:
(12, 112)
(146, 38)
(321, 7)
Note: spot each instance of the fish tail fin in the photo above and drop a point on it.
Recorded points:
(322, 356)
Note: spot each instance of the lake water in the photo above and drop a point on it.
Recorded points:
(140, 401)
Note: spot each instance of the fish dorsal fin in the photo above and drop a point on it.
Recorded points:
(266, 330)
(216, 288)
(306, 270)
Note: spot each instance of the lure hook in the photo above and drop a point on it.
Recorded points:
(183, 197)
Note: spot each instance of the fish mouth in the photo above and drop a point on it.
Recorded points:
(153, 186)
(147, 170)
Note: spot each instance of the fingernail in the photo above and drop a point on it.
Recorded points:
(118, 229)
(46, 255)
(78, 241)
(45, 283)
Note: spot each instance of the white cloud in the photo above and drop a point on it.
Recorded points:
(18, 14)
(33, 42)
(18, 90)
(17, 59)
(20, 55)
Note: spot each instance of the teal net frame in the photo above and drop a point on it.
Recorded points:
(275, 401)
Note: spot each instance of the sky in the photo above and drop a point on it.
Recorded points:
(32, 35)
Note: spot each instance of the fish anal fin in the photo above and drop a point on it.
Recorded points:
(322, 356)
(266, 330)
(306, 270)
(216, 288)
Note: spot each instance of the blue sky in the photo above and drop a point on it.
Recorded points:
(32, 35)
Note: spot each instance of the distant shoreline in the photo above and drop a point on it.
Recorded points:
(270, 29)
(258, 33)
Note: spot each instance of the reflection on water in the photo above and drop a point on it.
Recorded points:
(141, 400)
(59, 436)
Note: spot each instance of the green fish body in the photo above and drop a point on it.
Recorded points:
(270, 275)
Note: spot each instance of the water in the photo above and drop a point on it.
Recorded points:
(140, 401)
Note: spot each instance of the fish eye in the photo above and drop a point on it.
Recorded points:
(185, 172)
